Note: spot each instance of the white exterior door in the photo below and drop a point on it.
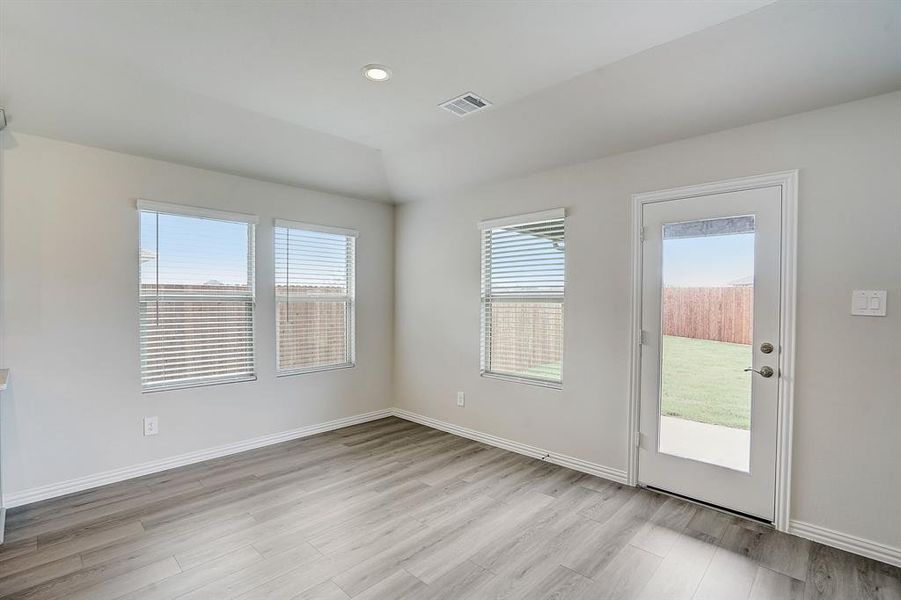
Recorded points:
(710, 307)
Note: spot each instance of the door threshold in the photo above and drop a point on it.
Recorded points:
(722, 509)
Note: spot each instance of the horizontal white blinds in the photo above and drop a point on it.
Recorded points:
(314, 293)
(523, 278)
(196, 300)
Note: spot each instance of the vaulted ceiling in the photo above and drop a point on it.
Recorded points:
(273, 90)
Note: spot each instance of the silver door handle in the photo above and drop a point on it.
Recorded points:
(763, 372)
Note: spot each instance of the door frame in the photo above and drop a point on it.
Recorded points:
(788, 182)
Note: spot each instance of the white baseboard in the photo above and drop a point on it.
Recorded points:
(91, 481)
(577, 464)
(829, 537)
(843, 541)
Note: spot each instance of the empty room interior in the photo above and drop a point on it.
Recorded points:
(450, 300)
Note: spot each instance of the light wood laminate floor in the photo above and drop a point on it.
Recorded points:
(391, 509)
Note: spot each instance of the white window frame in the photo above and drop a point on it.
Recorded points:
(349, 300)
(484, 346)
(182, 210)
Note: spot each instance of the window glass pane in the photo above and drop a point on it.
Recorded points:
(526, 339)
(149, 262)
(527, 260)
(197, 300)
(314, 299)
(522, 300)
(195, 254)
(708, 291)
(312, 334)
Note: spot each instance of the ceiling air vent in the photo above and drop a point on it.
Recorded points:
(466, 104)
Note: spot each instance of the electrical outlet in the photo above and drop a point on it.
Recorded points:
(151, 425)
(461, 398)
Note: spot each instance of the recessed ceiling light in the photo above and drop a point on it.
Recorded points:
(376, 72)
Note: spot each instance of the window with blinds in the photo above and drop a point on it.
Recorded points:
(523, 280)
(196, 296)
(314, 297)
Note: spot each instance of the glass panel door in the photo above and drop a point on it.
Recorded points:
(710, 310)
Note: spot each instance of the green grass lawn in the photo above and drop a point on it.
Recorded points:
(705, 381)
(546, 371)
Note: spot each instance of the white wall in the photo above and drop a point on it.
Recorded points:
(848, 407)
(70, 315)
(68, 259)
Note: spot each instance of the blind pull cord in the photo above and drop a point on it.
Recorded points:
(157, 269)
(288, 276)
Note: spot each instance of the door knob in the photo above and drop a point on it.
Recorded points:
(763, 372)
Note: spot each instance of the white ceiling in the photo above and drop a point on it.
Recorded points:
(273, 89)
(786, 58)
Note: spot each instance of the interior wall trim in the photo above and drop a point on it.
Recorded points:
(576, 464)
(844, 541)
(79, 484)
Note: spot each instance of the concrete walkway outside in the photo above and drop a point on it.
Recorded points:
(715, 444)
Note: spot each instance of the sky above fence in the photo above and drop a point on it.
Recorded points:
(190, 251)
(709, 261)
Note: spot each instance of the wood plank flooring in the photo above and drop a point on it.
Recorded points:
(391, 509)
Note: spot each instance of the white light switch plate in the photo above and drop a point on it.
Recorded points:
(461, 399)
(868, 303)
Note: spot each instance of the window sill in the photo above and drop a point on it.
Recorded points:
(524, 380)
(293, 372)
(195, 384)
